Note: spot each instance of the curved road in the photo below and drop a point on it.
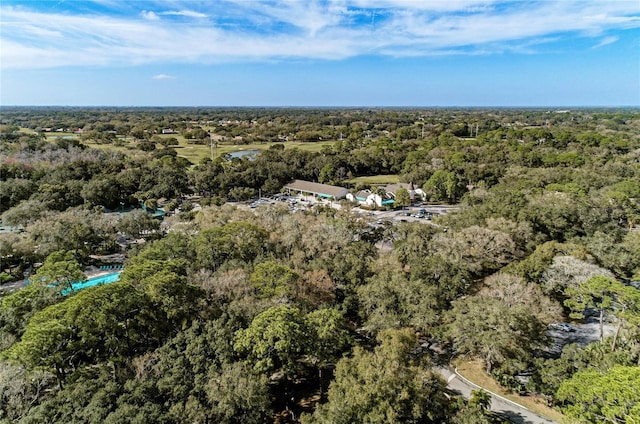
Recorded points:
(510, 410)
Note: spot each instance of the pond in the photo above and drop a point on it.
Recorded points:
(242, 153)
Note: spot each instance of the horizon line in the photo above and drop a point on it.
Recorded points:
(329, 106)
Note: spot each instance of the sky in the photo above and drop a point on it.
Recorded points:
(342, 53)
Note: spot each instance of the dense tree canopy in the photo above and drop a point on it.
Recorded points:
(225, 313)
(384, 386)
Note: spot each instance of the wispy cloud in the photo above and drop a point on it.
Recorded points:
(606, 41)
(186, 13)
(234, 30)
(163, 77)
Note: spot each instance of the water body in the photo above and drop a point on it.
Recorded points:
(242, 153)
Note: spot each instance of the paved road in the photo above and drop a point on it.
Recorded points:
(513, 412)
(13, 285)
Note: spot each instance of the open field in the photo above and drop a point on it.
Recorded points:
(375, 179)
(472, 371)
(196, 152)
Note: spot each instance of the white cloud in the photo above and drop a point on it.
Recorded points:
(290, 29)
(308, 16)
(186, 13)
(163, 77)
(605, 42)
(149, 15)
(438, 5)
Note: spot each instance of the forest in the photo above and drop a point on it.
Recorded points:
(226, 314)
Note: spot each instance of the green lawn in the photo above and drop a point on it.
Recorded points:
(196, 152)
(375, 179)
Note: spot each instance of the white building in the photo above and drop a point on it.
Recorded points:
(370, 199)
(414, 192)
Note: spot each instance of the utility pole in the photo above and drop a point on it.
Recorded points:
(211, 144)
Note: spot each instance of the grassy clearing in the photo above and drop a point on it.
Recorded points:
(472, 371)
(196, 152)
(53, 136)
(375, 179)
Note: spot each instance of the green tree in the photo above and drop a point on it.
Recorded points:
(550, 373)
(102, 190)
(192, 373)
(481, 399)
(17, 308)
(443, 186)
(403, 199)
(242, 193)
(137, 223)
(15, 190)
(151, 204)
(164, 285)
(103, 322)
(17, 251)
(491, 330)
(60, 269)
(394, 300)
(172, 246)
(384, 386)
(275, 340)
(329, 338)
(24, 212)
(273, 280)
(477, 249)
(89, 398)
(236, 240)
(594, 396)
(237, 396)
(607, 296)
(80, 231)
(109, 322)
(327, 174)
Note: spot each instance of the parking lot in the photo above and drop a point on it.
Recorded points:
(294, 203)
(581, 333)
(422, 213)
(418, 213)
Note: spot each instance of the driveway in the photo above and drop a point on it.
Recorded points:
(515, 413)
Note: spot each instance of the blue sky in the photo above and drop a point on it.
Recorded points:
(320, 53)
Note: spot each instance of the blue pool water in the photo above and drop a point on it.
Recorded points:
(103, 279)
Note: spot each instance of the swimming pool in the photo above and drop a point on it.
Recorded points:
(102, 279)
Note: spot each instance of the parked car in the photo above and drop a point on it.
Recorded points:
(563, 327)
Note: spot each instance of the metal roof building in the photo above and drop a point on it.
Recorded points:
(317, 189)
